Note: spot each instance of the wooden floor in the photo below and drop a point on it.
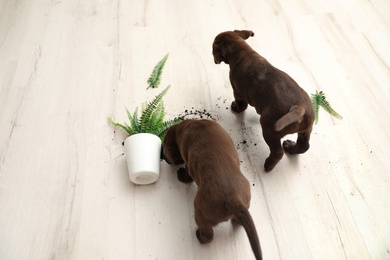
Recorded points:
(65, 66)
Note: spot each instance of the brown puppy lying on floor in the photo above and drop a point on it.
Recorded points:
(211, 160)
(285, 108)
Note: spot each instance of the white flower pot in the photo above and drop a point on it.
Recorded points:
(142, 153)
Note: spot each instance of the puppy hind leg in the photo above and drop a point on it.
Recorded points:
(275, 146)
(238, 105)
(183, 176)
(204, 233)
(301, 146)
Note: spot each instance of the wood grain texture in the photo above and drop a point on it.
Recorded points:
(65, 66)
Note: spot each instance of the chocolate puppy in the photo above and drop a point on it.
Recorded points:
(285, 108)
(211, 160)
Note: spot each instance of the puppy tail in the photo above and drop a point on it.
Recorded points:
(295, 114)
(244, 218)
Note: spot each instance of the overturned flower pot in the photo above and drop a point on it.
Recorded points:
(142, 153)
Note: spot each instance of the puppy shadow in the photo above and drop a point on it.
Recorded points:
(250, 136)
(292, 159)
(235, 224)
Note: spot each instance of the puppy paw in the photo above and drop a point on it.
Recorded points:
(204, 238)
(295, 148)
(269, 165)
(179, 161)
(239, 106)
(183, 176)
(289, 146)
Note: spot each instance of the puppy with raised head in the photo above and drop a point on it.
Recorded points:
(284, 107)
(211, 160)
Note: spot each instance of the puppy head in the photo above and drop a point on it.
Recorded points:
(245, 34)
(169, 149)
(223, 41)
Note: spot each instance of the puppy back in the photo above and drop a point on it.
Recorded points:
(207, 149)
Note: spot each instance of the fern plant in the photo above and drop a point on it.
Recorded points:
(151, 120)
(155, 78)
(319, 100)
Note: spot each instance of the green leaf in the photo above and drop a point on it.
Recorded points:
(158, 115)
(163, 128)
(133, 119)
(124, 127)
(319, 100)
(155, 77)
(315, 99)
(149, 110)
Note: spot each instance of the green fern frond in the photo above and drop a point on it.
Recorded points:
(151, 120)
(158, 115)
(149, 110)
(155, 77)
(319, 100)
(133, 119)
(125, 127)
(162, 130)
(316, 100)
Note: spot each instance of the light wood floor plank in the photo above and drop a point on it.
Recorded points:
(65, 66)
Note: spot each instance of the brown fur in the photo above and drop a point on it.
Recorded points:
(285, 108)
(212, 161)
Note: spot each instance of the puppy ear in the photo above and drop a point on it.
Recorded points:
(218, 55)
(170, 152)
(245, 34)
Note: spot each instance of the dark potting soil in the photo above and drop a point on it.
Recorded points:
(196, 114)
